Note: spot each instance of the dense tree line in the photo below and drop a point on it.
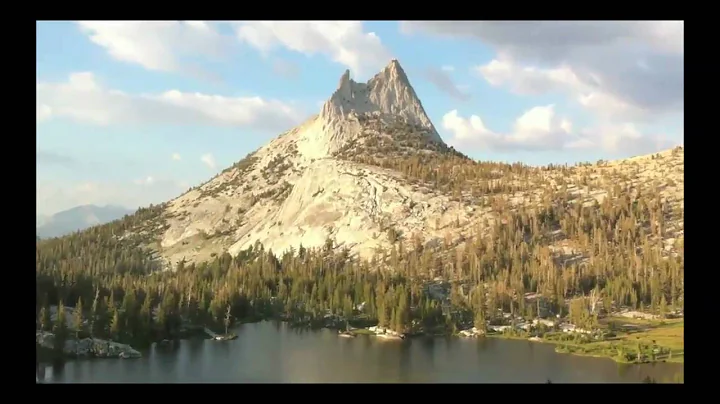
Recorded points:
(112, 280)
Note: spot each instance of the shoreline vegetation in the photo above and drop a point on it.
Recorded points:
(639, 342)
(660, 341)
(616, 337)
(633, 338)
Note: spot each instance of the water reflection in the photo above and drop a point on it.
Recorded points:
(428, 346)
(80, 370)
(166, 362)
(195, 349)
(448, 343)
(404, 362)
(270, 352)
(58, 368)
(622, 369)
(531, 349)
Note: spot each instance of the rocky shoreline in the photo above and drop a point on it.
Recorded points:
(88, 347)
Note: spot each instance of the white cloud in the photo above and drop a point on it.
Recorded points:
(176, 156)
(533, 81)
(537, 129)
(540, 129)
(155, 45)
(209, 160)
(172, 45)
(448, 68)
(344, 42)
(623, 70)
(53, 196)
(84, 100)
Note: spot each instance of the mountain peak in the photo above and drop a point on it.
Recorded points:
(389, 92)
(393, 71)
(344, 79)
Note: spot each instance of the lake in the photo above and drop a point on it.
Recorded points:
(270, 352)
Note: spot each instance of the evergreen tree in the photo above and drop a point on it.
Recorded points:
(78, 318)
(44, 319)
(115, 324)
(60, 328)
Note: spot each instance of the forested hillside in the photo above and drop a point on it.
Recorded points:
(627, 250)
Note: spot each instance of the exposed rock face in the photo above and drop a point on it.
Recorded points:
(296, 190)
(88, 347)
(306, 186)
(388, 94)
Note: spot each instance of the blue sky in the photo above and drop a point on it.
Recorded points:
(132, 113)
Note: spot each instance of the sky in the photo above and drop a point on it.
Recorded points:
(131, 113)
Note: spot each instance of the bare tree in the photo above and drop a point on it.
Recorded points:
(94, 311)
(228, 319)
(595, 297)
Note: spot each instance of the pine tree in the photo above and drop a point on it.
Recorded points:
(382, 315)
(115, 326)
(44, 319)
(60, 328)
(78, 318)
(480, 321)
(60, 320)
(663, 306)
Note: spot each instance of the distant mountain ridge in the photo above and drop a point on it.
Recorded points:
(77, 218)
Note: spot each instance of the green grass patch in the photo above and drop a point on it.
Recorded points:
(507, 336)
(659, 341)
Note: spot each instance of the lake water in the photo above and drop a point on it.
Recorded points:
(274, 353)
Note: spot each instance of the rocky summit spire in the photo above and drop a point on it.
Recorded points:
(388, 92)
(393, 71)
